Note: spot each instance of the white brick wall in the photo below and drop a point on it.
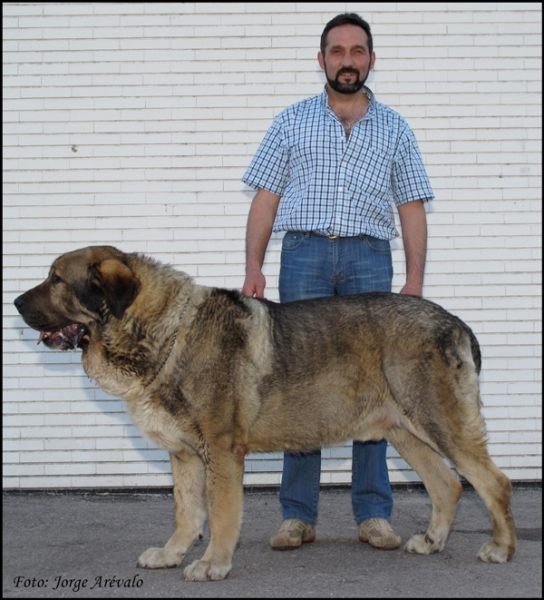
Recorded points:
(132, 123)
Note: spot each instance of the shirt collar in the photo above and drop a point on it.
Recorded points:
(369, 94)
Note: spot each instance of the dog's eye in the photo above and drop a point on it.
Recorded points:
(55, 278)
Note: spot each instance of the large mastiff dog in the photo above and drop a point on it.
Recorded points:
(210, 375)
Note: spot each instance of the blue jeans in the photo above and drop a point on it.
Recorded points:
(314, 266)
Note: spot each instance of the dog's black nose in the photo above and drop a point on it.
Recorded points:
(19, 302)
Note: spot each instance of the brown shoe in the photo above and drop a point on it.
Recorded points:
(379, 534)
(291, 534)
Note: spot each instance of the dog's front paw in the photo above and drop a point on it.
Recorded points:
(493, 553)
(160, 558)
(420, 544)
(206, 570)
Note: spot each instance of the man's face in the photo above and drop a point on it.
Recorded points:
(347, 62)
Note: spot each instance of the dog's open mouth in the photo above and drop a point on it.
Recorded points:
(66, 338)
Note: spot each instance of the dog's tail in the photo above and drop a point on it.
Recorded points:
(475, 348)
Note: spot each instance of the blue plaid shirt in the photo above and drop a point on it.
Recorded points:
(336, 186)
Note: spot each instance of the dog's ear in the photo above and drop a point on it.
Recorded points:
(118, 283)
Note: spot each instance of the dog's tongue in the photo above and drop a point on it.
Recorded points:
(67, 337)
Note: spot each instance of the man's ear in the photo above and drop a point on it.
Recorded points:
(321, 60)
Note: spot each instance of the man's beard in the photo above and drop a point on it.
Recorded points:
(346, 88)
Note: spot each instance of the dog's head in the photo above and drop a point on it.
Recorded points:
(84, 287)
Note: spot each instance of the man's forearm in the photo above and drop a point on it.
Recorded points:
(259, 227)
(414, 236)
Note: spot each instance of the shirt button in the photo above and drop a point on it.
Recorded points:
(340, 189)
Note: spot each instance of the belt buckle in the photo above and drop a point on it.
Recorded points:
(332, 237)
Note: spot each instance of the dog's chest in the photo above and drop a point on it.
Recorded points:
(160, 427)
(156, 423)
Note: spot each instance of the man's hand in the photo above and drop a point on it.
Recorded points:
(412, 290)
(254, 284)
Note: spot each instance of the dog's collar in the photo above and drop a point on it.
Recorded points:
(169, 349)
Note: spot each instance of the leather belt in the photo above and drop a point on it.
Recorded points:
(330, 237)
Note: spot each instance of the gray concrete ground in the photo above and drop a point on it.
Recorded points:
(86, 545)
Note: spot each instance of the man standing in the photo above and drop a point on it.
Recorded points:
(327, 173)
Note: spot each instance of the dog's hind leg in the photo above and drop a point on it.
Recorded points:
(495, 489)
(440, 482)
(462, 439)
(190, 513)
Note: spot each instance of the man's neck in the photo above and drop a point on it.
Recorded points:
(349, 108)
(346, 102)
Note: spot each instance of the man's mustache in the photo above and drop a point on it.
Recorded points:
(347, 70)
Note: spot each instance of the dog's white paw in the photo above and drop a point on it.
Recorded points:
(160, 558)
(493, 553)
(206, 570)
(419, 544)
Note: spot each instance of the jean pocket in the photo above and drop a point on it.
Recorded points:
(377, 245)
(292, 240)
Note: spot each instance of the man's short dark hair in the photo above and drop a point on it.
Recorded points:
(346, 19)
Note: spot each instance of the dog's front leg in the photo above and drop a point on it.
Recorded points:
(190, 512)
(224, 485)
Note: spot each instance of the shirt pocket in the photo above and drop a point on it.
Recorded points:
(370, 171)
